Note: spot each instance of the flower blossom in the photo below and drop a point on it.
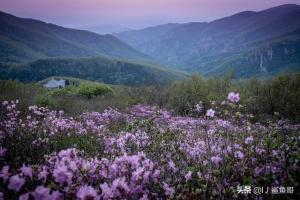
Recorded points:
(169, 191)
(199, 107)
(210, 113)
(26, 170)
(23, 196)
(216, 160)
(87, 192)
(233, 97)
(106, 191)
(42, 193)
(188, 176)
(4, 172)
(249, 140)
(15, 183)
(239, 154)
(62, 175)
(172, 165)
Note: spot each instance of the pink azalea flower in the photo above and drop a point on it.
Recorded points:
(120, 183)
(137, 174)
(15, 183)
(144, 197)
(210, 113)
(87, 193)
(62, 175)
(4, 172)
(249, 140)
(26, 170)
(41, 192)
(216, 160)
(43, 174)
(239, 154)
(172, 165)
(233, 97)
(188, 176)
(156, 174)
(169, 191)
(2, 151)
(106, 191)
(56, 195)
(199, 107)
(229, 149)
(24, 196)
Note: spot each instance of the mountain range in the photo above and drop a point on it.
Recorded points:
(249, 43)
(27, 39)
(31, 50)
(106, 29)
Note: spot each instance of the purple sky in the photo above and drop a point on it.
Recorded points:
(131, 13)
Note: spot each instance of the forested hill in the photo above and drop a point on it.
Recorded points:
(249, 43)
(23, 40)
(102, 69)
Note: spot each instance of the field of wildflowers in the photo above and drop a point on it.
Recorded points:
(145, 153)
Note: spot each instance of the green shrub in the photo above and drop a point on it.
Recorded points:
(90, 91)
(44, 101)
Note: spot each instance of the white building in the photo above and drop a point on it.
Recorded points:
(53, 84)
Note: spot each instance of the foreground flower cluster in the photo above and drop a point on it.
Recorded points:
(143, 153)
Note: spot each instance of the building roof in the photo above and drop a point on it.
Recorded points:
(55, 83)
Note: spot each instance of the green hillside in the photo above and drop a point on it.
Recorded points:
(23, 40)
(102, 69)
(242, 43)
(32, 50)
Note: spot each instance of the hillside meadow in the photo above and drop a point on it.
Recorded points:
(269, 98)
(196, 138)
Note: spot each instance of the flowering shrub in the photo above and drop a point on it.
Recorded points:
(143, 153)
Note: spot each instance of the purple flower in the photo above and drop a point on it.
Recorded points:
(4, 172)
(216, 160)
(15, 183)
(62, 175)
(144, 197)
(137, 174)
(249, 140)
(120, 183)
(2, 151)
(188, 176)
(86, 193)
(156, 174)
(43, 174)
(229, 149)
(169, 191)
(172, 165)
(26, 171)
(199, 107)
(106, 191)
(258, 171)
(56, 195)
(210, 113)
(239, 154)
(41, 193)
(233, 97)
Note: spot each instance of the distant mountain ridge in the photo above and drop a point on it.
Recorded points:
(248, 43)
(32, 50)
(23, 40)
(106, 29)
(227, 44)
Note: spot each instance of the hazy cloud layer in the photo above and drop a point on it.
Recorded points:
(131, 13)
